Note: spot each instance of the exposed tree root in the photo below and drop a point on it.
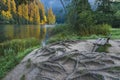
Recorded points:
(76, 65)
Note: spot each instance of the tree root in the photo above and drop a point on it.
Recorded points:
(99, 66)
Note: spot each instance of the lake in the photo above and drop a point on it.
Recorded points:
(9, 32)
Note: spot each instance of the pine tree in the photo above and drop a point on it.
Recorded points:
(104, 6)
(25, 11)
(31, 12)
(9, 5)
(36, 15)
(13, 6)
(42, 13)
(51, 17)
(80, 16)
(20, 10)
(20, 14)
(6, 15)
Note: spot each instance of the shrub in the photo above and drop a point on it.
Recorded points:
(103, 29)
(60, 28)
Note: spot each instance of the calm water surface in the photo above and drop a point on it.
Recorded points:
(9, 32)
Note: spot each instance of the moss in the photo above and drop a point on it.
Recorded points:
(115, 68)
(23, 77)
(28, 65)
(104, 48)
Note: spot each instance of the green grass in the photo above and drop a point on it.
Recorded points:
(66, 35)
(10, 61)
(12, 52)
(115, 32)
(17, 45)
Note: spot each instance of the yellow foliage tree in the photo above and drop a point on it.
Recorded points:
(51, 17)
(42, 13)
(13, 6)
(25, 11)
(31, 12)
(3, 1)
(9, 5)
(6, 14)
(20, 10)
(34, 15)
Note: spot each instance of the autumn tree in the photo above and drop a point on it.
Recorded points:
(42, 13)
(9, 5)
(13, 6)
(3, 5)
(51, 17)
(6, 15)
(36, 15)
(23, 11)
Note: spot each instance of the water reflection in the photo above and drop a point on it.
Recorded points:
(9, 32)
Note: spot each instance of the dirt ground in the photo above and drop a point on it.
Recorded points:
(69, 60)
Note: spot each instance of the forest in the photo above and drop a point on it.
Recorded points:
(82, 17)
(25, 12)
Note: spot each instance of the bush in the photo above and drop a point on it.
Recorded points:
(60, 28)
(103, 29)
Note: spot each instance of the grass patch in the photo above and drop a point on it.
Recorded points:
(12, 52)
(17, 45)
(104, 48)
(62, 32)
(115, 32)
(10, 61)
(63, 36)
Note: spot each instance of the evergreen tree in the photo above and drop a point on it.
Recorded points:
(80, 15)
(104, 6)
(104, 13)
